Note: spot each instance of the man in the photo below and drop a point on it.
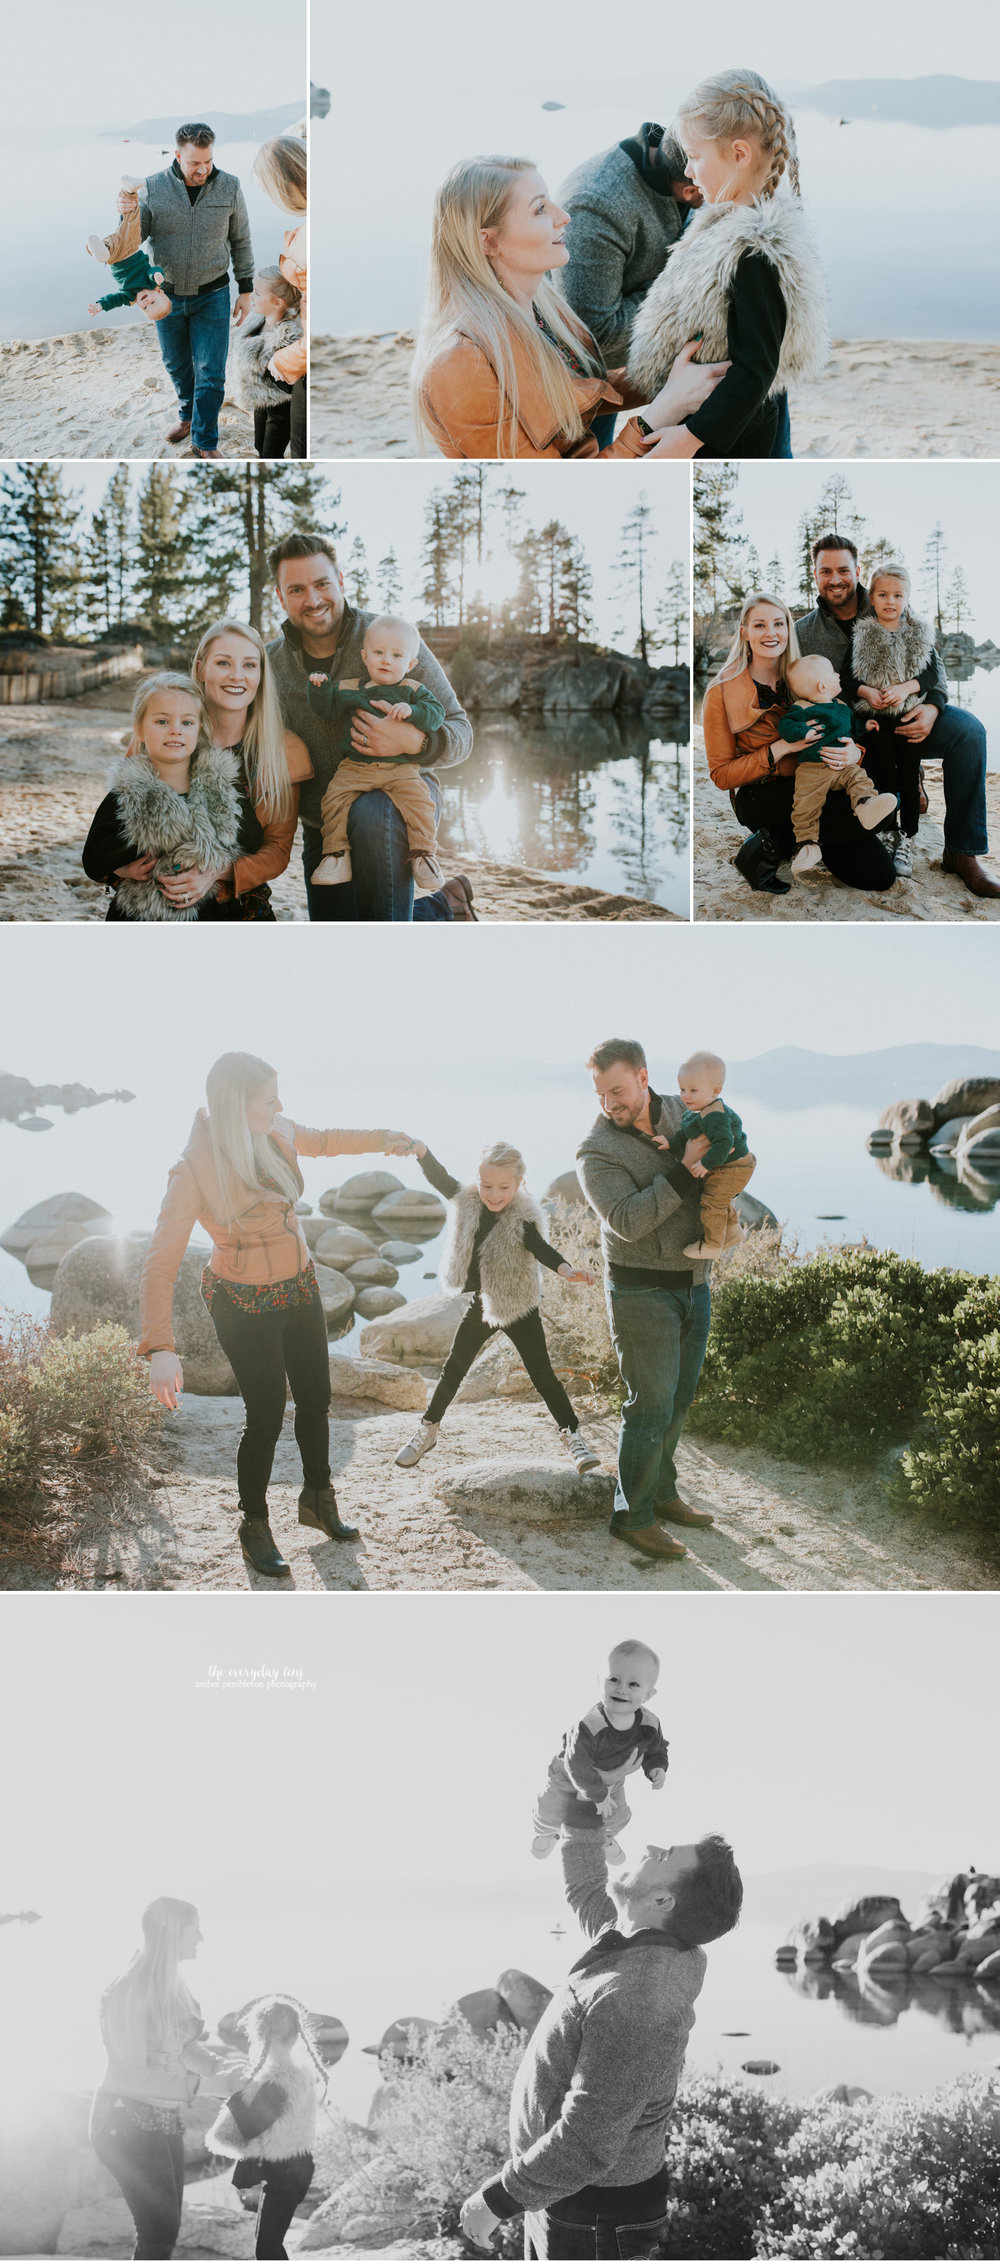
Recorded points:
(627, 207)
(943, 733)
(659, 1301)
(195, 220)
(591, 2102)
(322, 634)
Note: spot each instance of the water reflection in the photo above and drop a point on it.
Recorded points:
(589, 798)
(961, 2007)
(952, 1182)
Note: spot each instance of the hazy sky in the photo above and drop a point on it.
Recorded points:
(118, 67)
(901, 500)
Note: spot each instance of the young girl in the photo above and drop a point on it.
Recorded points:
(272, 326)
(171, 823)
(744, 279)
(893, 667)
(268, 2125)
(493, 1256)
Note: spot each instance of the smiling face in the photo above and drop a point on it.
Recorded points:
(263, 1108)
(230, 672)
(497, 1186)
(622, 1092)
(766, 631)
(645, 1893)
(629, 1682)
(195, 163)
(388, 651)
(169, 729)
(835, 573)
(530, 239)
(889, 598)
(311, 592)
(698, 1087)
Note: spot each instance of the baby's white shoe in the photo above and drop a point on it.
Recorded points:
(427, 873)
(334, 871)
(704, 1250)
(613, 1853)
(807, 857)
(874, 811)
(98, 250)
(132, 184)
(543, 1843)
(734, 1231)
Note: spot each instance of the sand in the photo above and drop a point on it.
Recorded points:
(100, 393)
(53, 763)
(932, 894)
(877, 397)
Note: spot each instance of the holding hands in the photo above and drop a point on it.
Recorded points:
(578, 1278)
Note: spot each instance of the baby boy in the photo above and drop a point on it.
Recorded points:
(617, 1737)
(389, 692)
(815, 689)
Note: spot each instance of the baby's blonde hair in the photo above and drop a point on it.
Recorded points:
(502, 1156)
(709, 1060)
(741, 106)
(635, 1649)
(167, 680)
(393, 620)
(797, 672)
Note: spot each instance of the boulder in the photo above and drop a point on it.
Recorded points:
(497, 1372)
(376, 1379)
(303, 1208)
(49, 1216)
(42, 1260)
(97, 1284)
(484, 2010)
(314, 1229)
(848, 1949)
(989, 1970)
(566, 1188)
(372, 1272)
(538, 1491)
(498, 685)
(411, 1205)
(591, 684)
(974, 1952)
(966, 1095)
(336, 1294)
(418, 1334)
(842, 2093)
(946, 1137)
(979, 1141)
(813, 1940)
(376, 1303)
(400, 1251)
(378, 2215)
(360, 1192)
(864, 1914)
(907, 1115)
(343, 1244)
(879, 1138)
(525, 1998)
(754, 1213)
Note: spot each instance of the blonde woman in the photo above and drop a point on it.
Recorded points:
(281, 167)
(152, 2030)
(174, 818)
(745, 277)
(740, 718)
(239, 1178)
(503, 367)
(233, 673)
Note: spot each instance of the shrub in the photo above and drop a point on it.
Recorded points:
(906, 2175)
(952, 1470)
(69, 1405)
(724, 2151)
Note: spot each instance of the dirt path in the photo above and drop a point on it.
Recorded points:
(53, 763)
(100, 393)
(877, 397)
(932, 894)
(498, 1507)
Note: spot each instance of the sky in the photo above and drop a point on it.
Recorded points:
(117, 67)
(903, 501)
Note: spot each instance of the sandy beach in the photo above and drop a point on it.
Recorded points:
(100, 393)
(877, 397)
(55, 759)
(932, 894)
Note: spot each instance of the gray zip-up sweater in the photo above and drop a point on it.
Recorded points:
(822, 635)
(641, 1195)
(594, 2090)
(445, 748)
(619, 236)
(194, 242)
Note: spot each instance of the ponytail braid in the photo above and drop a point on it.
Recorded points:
(741, 105)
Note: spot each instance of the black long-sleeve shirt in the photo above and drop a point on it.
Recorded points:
(443, 1183)
(739, 418)
(107, 847)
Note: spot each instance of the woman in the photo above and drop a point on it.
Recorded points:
(281, 167)
(239, 1178)
(231, 669)
(740, 719)
(152, 2027)
(503, 367)
(268, 2125)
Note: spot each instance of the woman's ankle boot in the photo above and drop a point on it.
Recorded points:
(757, 862)
(318, 1508)
(259, 1550)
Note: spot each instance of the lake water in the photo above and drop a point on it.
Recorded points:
(904, 215)
(374, 1953)
(49, 276)
(589, 799)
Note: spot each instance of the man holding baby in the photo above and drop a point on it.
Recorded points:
(195, 220)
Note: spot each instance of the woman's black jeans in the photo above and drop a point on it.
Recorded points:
(855, 856)
(528, 1338)
(149, 2170)
(263, 1347)
(286, 2182)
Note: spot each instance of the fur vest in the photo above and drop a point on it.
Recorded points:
(883, 656)
(691, 296)
(253, 348)
(192, 830)
(292, 2133)
(510, 1276)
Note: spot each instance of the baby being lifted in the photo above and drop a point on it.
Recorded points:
(820, 718)
(137, 282)
(389, 692)
(618, 1737)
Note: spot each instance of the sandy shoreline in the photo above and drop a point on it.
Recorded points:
(880, 398)
(99, 393)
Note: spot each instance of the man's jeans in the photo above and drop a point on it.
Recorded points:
(659, 1336)
(551, 2237)
(194, 342)
(783, 436)
(958, 741)
(382, 885)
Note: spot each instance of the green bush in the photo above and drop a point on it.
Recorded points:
(906, 2175)
(952, 1469)
(724, 2151)
(69, 1402)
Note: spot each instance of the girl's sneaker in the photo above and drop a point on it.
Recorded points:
(424, 1438)
(580, 1451)
(543, 1843)
(902, 857)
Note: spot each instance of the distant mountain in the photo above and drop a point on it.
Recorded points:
(229, 125)
(941, 101)
(790, 1077)
(787, 1895)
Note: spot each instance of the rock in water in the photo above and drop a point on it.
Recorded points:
(400, 1251)
(359, 1192)
(343, 1244)
(966, 1095)
(906, 1115)
(48, 1216)
(410, 1207)
(372, 1272)
(98, 1284)
(336, 1294)
(376, 1303)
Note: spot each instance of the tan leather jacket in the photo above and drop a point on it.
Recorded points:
(271, 858)
(265, 1243)
(291, 363)
(739, 735)
(462, 406)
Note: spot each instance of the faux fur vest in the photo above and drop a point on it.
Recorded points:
(510, 1276)
(691, 296)
(253, 348)
(294, 2130)
(190, 831)
(883, 656)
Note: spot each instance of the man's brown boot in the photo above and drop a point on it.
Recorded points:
(678, 1511)
(180, 432)
(651, 1540)
(968, 868)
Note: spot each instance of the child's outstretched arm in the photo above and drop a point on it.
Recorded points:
(435, 1172)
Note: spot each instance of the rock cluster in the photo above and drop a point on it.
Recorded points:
(956, 1936)
(21, 1100)
(584, 682)
(957, 1134)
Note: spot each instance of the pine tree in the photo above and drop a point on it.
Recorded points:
(633, 564)
(837, 509)
(97, 593)
(117, 509)
(390, 581)
(958, 601)
(436, 559)
(879, 551)
(240, 511)
(774, 577)
(356, 575)
(744, 575)
(716, 530)
(526, 611)
(37, 552)
(810, 525)
(932, 574)
(576, 591)
(673, 613)
(163, 549)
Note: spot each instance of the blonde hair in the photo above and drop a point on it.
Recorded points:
(741, 106)
(243, 1160)
(465, 296)
(167, 680)
(796, 673)
(890, 573)
(279, 286)
(282, 168)
(635, 1649)
(709, 1060)
(502, 1156)
(393, 620)
(263, 743)
(738, 657)
(259, 2021)
(147, 2008)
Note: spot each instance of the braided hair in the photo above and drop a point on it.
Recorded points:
(739, 105)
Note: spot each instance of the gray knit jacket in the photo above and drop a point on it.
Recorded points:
(447, 747)
(195, 242)
(821, 634)
(633, 1186)
(595, 2087)
(619, 236)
